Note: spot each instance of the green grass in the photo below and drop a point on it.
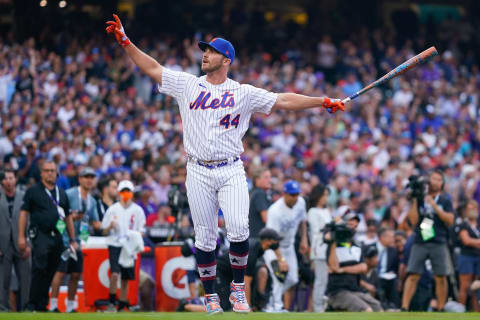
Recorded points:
(229, 315)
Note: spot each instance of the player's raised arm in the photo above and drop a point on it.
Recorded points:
(146, 63)
(295, 102)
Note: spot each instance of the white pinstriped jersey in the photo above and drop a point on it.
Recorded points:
(215, 117)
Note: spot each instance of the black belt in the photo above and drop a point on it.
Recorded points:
(47, 231)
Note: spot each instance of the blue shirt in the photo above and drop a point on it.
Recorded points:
(87, 206)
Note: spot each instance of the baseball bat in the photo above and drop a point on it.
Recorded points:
(404, 67)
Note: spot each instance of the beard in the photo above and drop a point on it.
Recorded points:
(211, 67)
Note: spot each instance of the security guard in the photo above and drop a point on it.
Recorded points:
(49, 211)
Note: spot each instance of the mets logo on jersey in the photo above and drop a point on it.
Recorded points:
(227, 101)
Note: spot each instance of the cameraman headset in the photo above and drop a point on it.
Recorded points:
(431, 223)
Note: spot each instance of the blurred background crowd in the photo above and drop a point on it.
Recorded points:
(69, 93)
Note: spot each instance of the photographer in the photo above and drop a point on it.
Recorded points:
(431, 214)
(346, 267)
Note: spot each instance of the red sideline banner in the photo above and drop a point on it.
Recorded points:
(96, 277)
(171, 277)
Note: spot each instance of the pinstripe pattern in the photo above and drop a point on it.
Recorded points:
(202, 107)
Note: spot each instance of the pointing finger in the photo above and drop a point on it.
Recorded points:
(117, 19)
(111, 22)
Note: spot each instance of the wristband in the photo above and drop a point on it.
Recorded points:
(326, 102)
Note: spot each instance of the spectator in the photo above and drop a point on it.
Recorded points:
(400, 240)
(370, 282)
(11, 200)
(285, 140)
(259, 200)
(160, 218)
(388, 268)
(469, 258)
(318, 217)
(107, 188)
(370, 237)
(145, 201)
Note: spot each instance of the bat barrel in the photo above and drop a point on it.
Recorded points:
(407, 65)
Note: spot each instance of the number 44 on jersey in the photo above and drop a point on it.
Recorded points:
(225, 122)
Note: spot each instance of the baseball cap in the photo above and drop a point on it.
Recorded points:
(87, 171)
(125, 184)
(267, 233)
(220, 45)
(291, 187)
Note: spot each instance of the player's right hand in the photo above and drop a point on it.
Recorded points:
(333, 105)
(116, 28)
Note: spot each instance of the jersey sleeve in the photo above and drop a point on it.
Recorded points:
(261, 100)
(173, 82)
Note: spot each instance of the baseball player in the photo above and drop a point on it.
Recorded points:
(215, 113)
(285, 216)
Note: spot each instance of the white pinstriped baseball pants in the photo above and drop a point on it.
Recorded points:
(210, 189)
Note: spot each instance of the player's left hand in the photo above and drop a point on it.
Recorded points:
(333, 105)
(116, 28)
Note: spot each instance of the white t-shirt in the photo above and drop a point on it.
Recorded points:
(317, 219)
(215, 117)
(285, 220)
(129, 218)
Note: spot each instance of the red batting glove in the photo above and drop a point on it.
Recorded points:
(332, 105)
(116, 28)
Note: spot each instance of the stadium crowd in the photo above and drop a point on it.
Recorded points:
(87, 105)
